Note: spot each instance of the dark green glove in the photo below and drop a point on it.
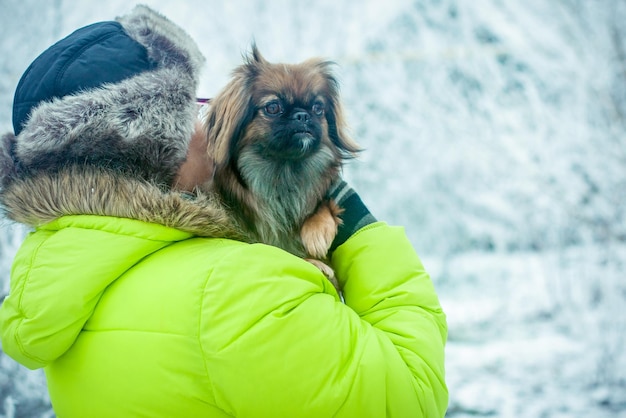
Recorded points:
(355, 214)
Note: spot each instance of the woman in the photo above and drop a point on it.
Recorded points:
(133, 291)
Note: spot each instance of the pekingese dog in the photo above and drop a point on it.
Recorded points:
(278, 138)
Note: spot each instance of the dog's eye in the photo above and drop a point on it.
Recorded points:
(273, 108)
(318, 108)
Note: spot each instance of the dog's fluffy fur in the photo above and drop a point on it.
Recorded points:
(278, 138)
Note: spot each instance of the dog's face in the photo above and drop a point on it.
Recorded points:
(290, 123)
(279, 113)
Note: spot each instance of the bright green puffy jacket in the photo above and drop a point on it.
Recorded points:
(135, 319)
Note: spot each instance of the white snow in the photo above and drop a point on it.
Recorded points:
(494, 132)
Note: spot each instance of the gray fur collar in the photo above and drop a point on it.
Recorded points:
(87, 190)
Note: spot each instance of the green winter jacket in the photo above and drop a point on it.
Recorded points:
(131, 318)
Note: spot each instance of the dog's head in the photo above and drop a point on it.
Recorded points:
(279, 112)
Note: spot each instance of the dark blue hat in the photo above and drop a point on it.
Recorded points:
(91, 56)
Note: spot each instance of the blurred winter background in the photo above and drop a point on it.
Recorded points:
(495, 131)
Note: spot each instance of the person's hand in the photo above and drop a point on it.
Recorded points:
(355, 214)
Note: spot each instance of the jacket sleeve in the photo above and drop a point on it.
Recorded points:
(278, 341)
(385, 283)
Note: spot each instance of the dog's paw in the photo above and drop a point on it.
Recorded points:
(326, 270)
(319, 230)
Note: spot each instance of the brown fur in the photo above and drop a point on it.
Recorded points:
(272, 176)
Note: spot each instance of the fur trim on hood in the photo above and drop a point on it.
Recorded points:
(140, 126)
(88, 190)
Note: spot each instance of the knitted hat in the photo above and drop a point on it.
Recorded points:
(116, 94)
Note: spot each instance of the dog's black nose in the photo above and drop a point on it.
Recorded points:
(300, 116)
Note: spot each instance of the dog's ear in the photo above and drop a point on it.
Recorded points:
(335, 115)
(255, 56)
(253, 65)
(230, 112)
(338, 130)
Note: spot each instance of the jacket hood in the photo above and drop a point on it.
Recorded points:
(140, 125)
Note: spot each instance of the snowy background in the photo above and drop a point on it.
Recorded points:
(495, 131)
